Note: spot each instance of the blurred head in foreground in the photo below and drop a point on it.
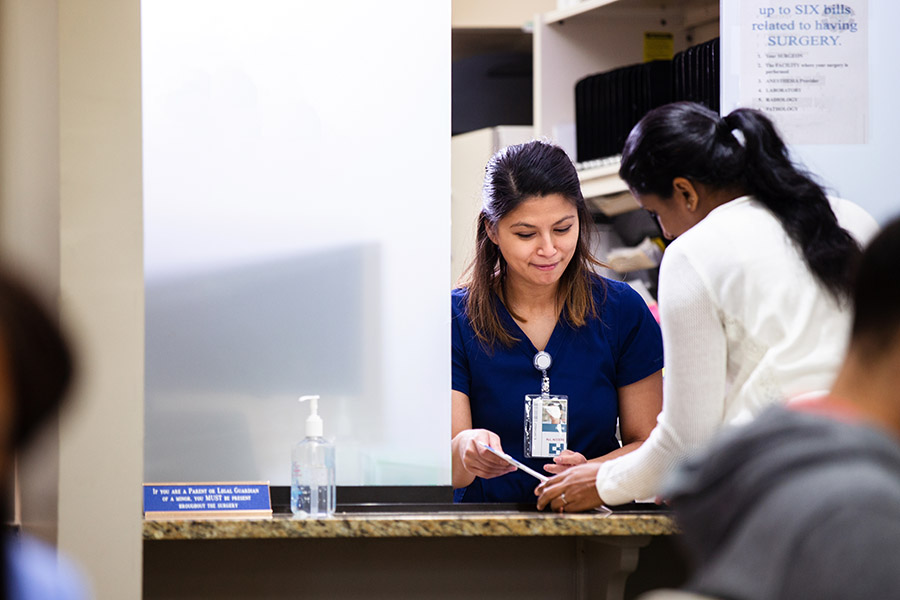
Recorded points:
(36, 369)
(36, 366)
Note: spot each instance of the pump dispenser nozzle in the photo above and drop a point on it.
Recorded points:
(313, 421)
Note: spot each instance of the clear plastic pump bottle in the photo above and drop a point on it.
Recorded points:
(312, 469)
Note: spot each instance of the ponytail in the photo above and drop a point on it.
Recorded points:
(688, 140)
(797, 201)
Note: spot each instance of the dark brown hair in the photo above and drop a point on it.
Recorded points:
(512, 176)
(39, 361)
(688, 140)
(876, 295)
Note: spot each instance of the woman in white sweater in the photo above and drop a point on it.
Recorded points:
(752, 294)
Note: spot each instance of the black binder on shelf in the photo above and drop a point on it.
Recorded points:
(609, 104)
(582, 118)
(659, 84)
(602, 104)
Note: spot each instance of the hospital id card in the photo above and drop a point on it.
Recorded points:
(546, 425)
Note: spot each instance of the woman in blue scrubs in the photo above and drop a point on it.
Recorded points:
(531, 288)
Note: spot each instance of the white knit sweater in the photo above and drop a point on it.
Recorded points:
(744, 324)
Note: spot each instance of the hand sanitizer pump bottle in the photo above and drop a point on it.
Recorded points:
(312, 469)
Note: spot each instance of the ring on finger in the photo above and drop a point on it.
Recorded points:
(563, 498)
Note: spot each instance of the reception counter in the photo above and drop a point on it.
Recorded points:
(403, 525)
(400, 555)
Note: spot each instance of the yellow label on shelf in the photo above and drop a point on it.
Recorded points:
(658, 46)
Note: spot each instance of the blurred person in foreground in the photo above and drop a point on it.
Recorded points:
(36, 368)
(805, 501)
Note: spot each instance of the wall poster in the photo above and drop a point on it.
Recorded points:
(806, 66)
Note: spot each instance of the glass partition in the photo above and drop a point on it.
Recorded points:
(296, 222)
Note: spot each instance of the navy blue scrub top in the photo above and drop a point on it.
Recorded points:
(589, 363)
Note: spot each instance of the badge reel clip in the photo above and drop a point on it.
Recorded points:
(546, 416)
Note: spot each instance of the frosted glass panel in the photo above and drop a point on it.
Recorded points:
(296, 220)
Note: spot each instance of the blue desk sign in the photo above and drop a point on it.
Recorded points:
(222, 500)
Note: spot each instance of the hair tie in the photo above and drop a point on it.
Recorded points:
(734, 131)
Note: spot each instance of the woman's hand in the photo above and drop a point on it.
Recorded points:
(574, 490)
(469, 457)
(478, 460)
(564, 460)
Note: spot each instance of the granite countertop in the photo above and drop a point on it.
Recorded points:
(398, 525)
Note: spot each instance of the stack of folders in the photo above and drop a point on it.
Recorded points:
(697, 74)
(608, 105)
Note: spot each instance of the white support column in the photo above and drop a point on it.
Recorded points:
(102, 297)
(29, 207)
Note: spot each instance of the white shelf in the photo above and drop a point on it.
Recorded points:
(601, 181)
(613, 205)
(696, 12)
(582, 8)
(604, 191)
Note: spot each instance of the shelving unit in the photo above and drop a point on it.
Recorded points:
(602, 180)
(595, 36)
(569, 44)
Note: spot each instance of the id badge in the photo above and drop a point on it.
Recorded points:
(546, 425)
